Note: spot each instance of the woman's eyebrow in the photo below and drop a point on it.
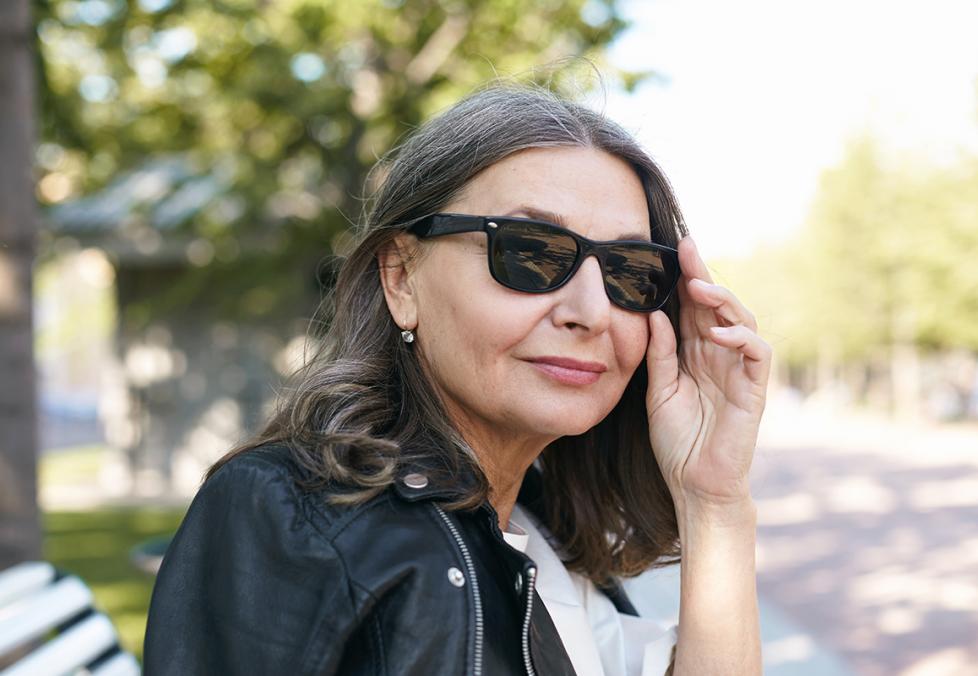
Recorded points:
(551, 217)
(539, 214)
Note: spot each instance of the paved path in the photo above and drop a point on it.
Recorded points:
(867, 547)
(788, 649)
(868, 538)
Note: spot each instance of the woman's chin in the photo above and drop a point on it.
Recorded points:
(569, 426)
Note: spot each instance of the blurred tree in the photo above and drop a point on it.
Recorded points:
(883, 268)
(284, 106)
(19, 528)
(889, 251)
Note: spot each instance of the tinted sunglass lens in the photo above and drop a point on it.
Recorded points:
(638, 278)
(531, 257)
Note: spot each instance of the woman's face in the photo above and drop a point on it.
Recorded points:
(481, 342)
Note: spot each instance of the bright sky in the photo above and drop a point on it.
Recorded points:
(761, 96)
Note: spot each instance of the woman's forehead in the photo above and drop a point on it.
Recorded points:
(581, 188)
(638, 232)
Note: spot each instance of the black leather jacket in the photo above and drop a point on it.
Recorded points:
(264, 578)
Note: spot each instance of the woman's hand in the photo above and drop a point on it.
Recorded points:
(704, 404)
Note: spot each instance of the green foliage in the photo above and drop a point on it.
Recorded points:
(887, 257)
(290, 102)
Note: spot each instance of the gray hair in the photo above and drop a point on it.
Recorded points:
(435, 163)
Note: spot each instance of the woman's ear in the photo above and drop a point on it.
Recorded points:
(396, 263)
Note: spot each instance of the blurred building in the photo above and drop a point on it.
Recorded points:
(179, 386)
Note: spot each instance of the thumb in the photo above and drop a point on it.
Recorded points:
(663, 362)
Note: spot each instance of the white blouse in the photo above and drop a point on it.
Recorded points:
(599, 640)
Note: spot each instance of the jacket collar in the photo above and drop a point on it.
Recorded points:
(418, 480)
(421, 479)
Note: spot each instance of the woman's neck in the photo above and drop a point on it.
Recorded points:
(504, 455)
(505, 467)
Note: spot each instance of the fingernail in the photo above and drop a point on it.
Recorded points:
(721, 330)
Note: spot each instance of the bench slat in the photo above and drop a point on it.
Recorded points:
(31, 617)
(71, 650)
(122, 664)
(33, 605)
(23, 580)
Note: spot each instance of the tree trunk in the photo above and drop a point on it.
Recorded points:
(20, 533)
(905, 367)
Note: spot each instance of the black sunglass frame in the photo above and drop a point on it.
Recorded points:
(434, 225)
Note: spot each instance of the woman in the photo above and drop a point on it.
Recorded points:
(514, 370)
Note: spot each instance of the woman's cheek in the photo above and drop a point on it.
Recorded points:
(632, 349)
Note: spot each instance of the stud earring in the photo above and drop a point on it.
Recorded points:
(407, 335)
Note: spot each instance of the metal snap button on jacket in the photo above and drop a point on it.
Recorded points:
(456, 577)
(415, 480)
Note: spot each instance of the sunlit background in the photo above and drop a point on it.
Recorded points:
(197, 162)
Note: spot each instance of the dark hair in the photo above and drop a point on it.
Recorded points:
(362, 405)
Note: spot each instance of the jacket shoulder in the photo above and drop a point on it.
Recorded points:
(374, 538)
(244, 554)
(273, 467)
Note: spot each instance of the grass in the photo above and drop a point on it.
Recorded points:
(96, 544)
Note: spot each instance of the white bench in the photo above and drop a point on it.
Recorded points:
(36, 601)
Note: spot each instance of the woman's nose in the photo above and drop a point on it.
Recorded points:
(583, 300)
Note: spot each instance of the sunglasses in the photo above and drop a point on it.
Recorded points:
(537, 257)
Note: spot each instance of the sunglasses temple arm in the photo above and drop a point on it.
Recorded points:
(449, 224)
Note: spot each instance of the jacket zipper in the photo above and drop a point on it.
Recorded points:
(531, 576)
(477, 600)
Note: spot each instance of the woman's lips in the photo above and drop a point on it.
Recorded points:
(567, 375)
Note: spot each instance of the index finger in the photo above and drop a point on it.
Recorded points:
(690, 262)
(697, 318)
